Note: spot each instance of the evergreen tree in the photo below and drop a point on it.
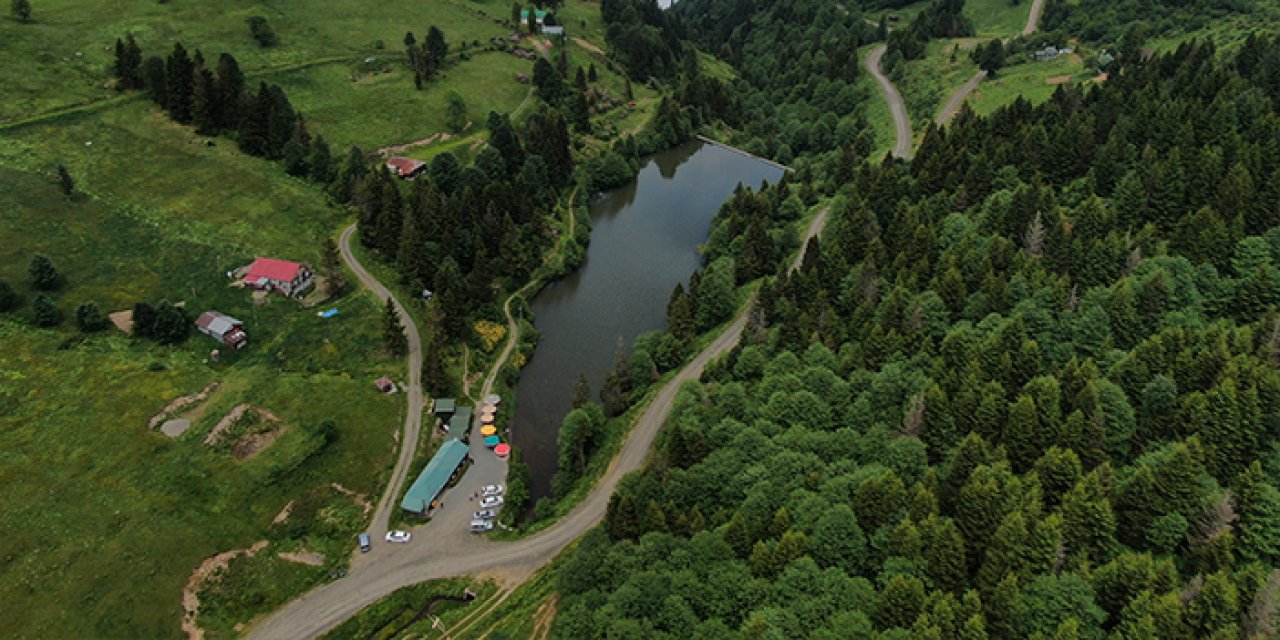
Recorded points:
(331, 267)
(153, 77)
(455, 117)
(680, 315)
(128, 64)
(89, 318)
(205, 102)
(144, 320)
(21, 9)
(393, 338)
(320, 162)
(42, 274)
(65, 182)
(229, 88)
(178, 73)
(44, 313)
(8, 297)
(581, 392)
(436, 46)
(171, 325)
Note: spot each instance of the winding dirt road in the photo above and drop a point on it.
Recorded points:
(901, 124)
(413, 418)
(443, 547)
(950, 109)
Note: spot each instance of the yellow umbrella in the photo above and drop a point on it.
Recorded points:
(488, 430)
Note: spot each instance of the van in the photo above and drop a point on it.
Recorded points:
(364, 543)
(481, 526)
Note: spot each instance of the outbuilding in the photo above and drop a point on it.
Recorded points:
(442, 467)
(223, 328)
(406, 168)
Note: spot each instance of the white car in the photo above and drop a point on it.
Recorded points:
(490, 502)
(398, 536)
(492, 490)
(485, 514)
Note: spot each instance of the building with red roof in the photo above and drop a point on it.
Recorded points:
(289, 278)
(406, 167)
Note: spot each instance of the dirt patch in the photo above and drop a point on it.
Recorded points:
(360, 498)
(588, 46)
(304, 557)
(123, 320)
(1062, 79)
(252, 444)
(211, 565)
(284, 513)
(543, 617)
(1101, 77)
(232, 416)
(178, 404)
(401, 148)
(175, 428)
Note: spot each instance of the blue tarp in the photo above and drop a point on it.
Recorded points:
(329, 314)
(433, 478)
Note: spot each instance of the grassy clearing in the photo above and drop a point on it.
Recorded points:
(877, 112)
(1035, 81)
(55, 76)
(383, 109)
(997, 18)
(926, 84)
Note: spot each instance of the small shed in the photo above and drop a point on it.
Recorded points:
(444, 408)
(385, 385)
(223, 328)
(553, 30)
(406, 168)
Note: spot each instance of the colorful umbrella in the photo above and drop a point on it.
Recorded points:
(502, 450)
(488, 430)
(492, 441)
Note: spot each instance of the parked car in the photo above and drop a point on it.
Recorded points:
(481, 526)
(490, 502)
(485, 514)
(365, 546)
(492, 490)
(398, 536)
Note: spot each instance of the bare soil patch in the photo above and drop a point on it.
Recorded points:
(543, 617)
(254, 443)
(284, 513)
(401, 148)
(123, 320)
(1062, 79)
(304, 557)
(174, 428)
(588, 46)
(178, 404)
(211, 565)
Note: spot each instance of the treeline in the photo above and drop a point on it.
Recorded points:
(941, 19)
(644, 38)
(461, 228)
(1110, 20)
(429, 57)
(219, 101)
(1027, 386)
(798, 66)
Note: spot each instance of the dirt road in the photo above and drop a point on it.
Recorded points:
(901, 124)
(953, 104)
(413, 418)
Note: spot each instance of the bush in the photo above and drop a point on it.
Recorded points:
(89, 318)
(44, 276)
(44, 313)
(261, 31)
(8, 297)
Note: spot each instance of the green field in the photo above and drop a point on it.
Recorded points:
(1035, 81)
(997, 18)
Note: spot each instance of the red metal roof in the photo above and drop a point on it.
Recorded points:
(404, 166)
(272, 269)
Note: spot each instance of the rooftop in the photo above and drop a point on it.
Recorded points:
(272, 269)
(433, 478)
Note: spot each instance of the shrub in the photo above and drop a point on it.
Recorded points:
(89, 318)
(261, 31)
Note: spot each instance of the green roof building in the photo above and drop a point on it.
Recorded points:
(433, 478)
(444, 407)
(460, 422)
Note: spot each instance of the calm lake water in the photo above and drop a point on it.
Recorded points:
(644, 239)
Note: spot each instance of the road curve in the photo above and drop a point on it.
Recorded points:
(901, 125)
(413, 418)
(447, 549)
(953, 104)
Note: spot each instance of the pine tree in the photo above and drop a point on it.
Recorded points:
(153, 77)
(44, 313)
(204, 102)
(42, 274)
(128, 64)
(89, 318)
(178, 70)
(899, 603)
(143, 320)
(1088, 520)
(331, 267)
(65, 182)
(1258, 529)
(229, 87)
(393, 338)
(8, 297)
(436, 46)
(320, 161)
(21, 9)
(680, 315)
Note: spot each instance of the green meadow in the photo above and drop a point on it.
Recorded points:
(997, 18)
(1034, 81)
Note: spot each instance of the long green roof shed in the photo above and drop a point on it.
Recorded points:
(433, 478)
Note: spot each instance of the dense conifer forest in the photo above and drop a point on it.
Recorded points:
(1025, 386)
